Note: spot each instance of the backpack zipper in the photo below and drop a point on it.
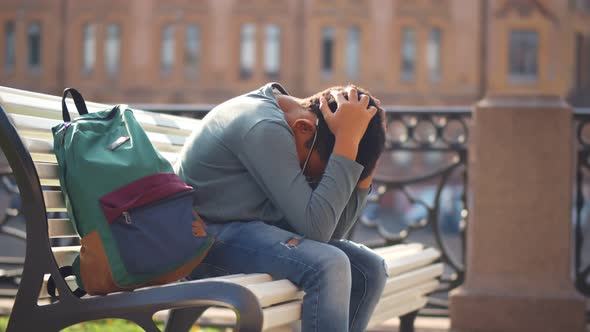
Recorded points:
(64, 129)
(127, 217)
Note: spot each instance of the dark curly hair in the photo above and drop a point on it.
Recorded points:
(373, 142)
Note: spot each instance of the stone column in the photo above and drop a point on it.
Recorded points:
(519, 240)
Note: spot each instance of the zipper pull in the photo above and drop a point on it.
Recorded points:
(127, 217)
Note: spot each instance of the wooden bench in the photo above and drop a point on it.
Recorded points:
(259, 303)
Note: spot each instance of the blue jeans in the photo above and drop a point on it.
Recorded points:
(330, 274)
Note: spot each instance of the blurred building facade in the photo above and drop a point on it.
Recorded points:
(407, 52)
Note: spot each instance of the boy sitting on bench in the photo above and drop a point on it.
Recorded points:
(280, 181)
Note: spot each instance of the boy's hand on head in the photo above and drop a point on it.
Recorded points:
(351, 118)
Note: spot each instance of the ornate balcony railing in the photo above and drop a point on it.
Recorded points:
(424, 171)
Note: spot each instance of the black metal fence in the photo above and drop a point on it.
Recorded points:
(421, 188)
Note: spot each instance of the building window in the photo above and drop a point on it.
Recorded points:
(167, 49)
(9, 45)
(34, 45)
(433, 54)
(112, 49)
(524, 47)
(327, 51)
(352, 52)
(192, 50)
(408, 53)
(247, 50)
(89, 54)
(272, 51)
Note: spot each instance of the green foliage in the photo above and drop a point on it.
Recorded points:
(105, 325)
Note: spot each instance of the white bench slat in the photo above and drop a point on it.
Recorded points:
(65, 256)
(183, 126)
(43, 126)
(389, 301)
(53, 199)
(42, 105)
(36, 145)
(384, 251)
(47, 171)
(280, 315)
(161, 141)
(398, 310)
(38, 129)
(49, 182)
(245, 279)
(392, 256)
(273, 292)
(398, 265)
(274, 317)
(164, 143)
(61, 228)
(412, 278)
(33, 123)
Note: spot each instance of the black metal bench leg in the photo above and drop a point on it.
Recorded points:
(407, 321)
(182, 320)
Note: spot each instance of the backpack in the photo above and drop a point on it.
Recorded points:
(135, 216)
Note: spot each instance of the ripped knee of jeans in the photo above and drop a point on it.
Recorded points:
(292, 242)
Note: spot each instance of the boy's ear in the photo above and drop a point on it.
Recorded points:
(304, 126)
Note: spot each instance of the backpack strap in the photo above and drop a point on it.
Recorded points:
(65, 271)
(279, 88)
(78, 100)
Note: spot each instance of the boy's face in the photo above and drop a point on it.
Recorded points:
(315, 167)
(305, 131)
(303, 124)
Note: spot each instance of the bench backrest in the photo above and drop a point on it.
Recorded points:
(33, 115)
